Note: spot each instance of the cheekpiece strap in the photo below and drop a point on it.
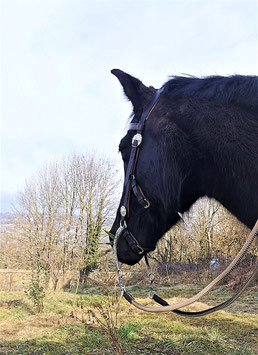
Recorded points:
(130, 182)
(138, 126)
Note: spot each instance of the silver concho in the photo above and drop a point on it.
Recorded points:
(123, 211)
(138, 138)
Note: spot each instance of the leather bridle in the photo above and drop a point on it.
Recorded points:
(130, 183)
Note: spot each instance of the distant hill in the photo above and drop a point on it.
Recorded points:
(7, 218)
(7, 224)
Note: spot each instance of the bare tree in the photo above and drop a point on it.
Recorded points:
(208, 230)
(62, 210)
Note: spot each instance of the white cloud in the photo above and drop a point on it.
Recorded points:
(58, 93)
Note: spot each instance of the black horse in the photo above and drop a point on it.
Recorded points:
(201, 140)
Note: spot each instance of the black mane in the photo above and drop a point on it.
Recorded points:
(236, 89)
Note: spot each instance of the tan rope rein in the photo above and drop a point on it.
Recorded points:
(195, 298)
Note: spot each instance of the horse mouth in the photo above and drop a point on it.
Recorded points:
(125, 254)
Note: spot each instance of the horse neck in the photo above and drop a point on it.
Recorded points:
(237, 193)
(225, 170)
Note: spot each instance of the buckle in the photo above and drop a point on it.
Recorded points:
(147, 203)
(141, 251)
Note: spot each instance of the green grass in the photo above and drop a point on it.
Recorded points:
(66, 327)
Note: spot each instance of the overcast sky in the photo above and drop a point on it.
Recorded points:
(57, 93)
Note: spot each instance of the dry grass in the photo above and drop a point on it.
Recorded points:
(65, 326)
(13, 280)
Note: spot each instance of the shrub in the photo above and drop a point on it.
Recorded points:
(35, 291)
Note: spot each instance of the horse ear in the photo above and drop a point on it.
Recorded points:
(134, 89)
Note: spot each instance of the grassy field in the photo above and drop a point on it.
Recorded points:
(86, 324)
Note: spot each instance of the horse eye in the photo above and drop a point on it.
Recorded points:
(122, 148)
(125, 153)
(125, 147)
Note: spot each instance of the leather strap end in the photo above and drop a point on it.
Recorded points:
(159, 300)
(128, 297)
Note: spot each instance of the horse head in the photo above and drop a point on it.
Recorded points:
(161, 147)
(186, 150)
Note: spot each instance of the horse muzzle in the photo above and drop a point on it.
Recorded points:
(129, 251)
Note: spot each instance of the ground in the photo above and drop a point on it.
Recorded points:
(86, 324)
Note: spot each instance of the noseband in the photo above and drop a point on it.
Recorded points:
(130, 183)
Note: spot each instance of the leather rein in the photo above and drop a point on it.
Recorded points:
(131, 185)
